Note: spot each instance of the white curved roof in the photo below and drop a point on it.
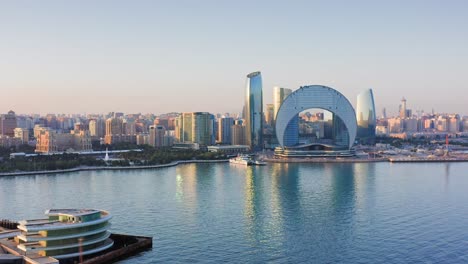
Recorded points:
(316, 96)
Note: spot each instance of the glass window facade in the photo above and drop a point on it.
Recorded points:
(365, 116)
(253, 111)
(322, 97)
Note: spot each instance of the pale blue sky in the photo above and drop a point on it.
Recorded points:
(162, 56)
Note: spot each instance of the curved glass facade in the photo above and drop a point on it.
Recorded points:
(365, 116)
(291, 135)
(253, 111)
(321, 97)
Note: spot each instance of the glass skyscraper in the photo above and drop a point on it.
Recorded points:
(365, 116)
(224, 130)
(279, 94)
(291, 136)
(253, 111)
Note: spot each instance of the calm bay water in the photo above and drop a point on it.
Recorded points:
(280, 213)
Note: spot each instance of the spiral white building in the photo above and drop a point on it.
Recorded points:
(66, 233)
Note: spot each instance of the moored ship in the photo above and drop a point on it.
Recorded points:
(241, 159)
(245, 160)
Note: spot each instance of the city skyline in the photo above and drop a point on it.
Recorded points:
(149, 57)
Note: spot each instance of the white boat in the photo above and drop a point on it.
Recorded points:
(246, 160)
(241, 159)
(259, 163)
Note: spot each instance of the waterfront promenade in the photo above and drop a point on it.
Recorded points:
(86, 168)
(265, 158)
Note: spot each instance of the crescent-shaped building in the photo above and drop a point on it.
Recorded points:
(322, 97)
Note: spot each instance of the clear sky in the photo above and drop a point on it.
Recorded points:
(163, 56)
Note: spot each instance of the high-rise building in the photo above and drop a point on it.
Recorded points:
(291, 136)
(186, 135)
(454, 124)
(269, 114)
(142, 139)
(428, 124)
(178, 129)
(156, 135)
(52, 122)
(253, 111)
(115, 132)
(403, 108)
(167, 122)
(22, 134)
(196, 127)
(202, 128)
(97, 128)
(168, 138)
(464, 124)
(141, 126)
(365, 116)
(224, 130)
(114, 126)
(238, 133)
(442, 124)
(411, 125)
(279, 94)
(395, 125)
(128, 127)
(64, 123)
(8, 124)
(45, 140)
(79, 126)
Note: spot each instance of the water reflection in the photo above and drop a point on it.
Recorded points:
(195, 189)
(252, 205)
(364, 184)
(280, 213)
(186, 187)
(447, 175)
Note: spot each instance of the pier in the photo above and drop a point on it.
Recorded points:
(125, 246)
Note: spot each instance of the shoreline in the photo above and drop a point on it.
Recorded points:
(269, 160)
(171, 164)
(354, 160)
(325, 160)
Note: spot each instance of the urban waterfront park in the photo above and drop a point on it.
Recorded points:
(282, 213)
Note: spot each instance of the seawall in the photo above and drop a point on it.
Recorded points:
(172, 164)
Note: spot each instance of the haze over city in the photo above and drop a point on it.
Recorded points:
(153, 56)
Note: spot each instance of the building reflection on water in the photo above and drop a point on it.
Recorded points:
(278, 199)
(281, 200)
(269, 191)
(186, 188)
(199, 187)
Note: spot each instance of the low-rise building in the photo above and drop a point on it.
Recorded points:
(229, 149)
(66, 233)
(22, 134)
(142, 139)
(49, 141)
(8, 142)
